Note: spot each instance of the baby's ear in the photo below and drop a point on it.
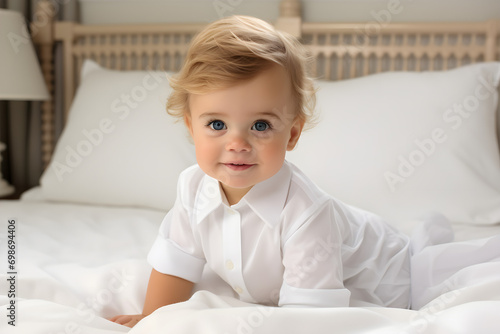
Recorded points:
(295, 132)
(188, 123)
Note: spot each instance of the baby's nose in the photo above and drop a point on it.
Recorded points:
(238, 143)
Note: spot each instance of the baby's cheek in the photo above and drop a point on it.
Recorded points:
(273, 149)
(263, 140)
(204, 152)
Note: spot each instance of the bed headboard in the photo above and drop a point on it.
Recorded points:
(340, 50)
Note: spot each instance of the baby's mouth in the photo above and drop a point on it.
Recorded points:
(238, 166)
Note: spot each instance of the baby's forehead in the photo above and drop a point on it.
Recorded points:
(267, 93)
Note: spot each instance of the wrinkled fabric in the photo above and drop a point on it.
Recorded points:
(285, 243)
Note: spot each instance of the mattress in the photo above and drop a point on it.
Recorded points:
(77, 265)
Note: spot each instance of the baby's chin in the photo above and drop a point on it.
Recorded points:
(239, 186)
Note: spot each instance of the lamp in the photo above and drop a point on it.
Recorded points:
(20, 74)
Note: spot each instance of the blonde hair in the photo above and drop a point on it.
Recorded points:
(236, 49)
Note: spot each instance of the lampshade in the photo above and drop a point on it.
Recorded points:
(20, 74)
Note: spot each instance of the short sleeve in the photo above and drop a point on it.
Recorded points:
(177, 249)
(312, 258)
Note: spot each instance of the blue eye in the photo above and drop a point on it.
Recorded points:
(261, 126)
(217, 125)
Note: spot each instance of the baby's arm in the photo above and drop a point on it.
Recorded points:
(162, 290)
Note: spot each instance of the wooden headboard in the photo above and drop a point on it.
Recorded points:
(340, 50)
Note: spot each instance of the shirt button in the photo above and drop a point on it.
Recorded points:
(229, 265)
(238, 290)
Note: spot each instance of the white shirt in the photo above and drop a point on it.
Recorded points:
(285, 243)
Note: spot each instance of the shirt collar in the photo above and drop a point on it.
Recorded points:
(208, 199)
(267, 198)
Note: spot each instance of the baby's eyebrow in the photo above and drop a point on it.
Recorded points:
(271, 114)
(211, 114)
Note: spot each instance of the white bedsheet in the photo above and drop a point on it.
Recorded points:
(79, 264)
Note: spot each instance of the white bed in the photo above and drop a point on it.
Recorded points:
(82, 237)
(79, 264)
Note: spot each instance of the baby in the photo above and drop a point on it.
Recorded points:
(252, 217)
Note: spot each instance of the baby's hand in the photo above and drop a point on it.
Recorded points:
(128, 320)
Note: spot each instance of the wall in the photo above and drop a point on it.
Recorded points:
(152, 11)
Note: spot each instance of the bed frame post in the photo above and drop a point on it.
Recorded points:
(64, 31)
(290, 19)
(492, 31)
(43, 38)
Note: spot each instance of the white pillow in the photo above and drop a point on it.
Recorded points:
(401, 144)
(119, 146)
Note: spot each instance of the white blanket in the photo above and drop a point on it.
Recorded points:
(77, 265)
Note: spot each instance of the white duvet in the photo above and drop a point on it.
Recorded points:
(77, 265)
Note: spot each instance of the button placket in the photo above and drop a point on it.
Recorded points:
(231, 234)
